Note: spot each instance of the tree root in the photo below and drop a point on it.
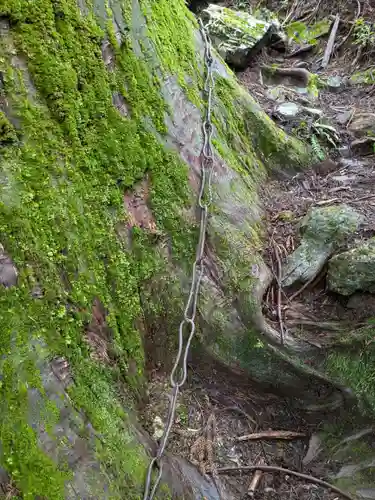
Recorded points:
(293, 345)
(300, 73)
(271, 468)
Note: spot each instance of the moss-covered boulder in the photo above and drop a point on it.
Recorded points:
(353, 270)
(237, 35)
(324, 229)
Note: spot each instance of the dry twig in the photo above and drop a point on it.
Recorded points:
(271, 468)
(331, 42)
(303, 287)
(285, 435)
(312, 14)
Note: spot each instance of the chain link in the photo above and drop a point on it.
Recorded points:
(179, 372)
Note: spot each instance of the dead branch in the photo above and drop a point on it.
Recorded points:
(362, 198)
(331, 42)
(272, 468)
(285, 435)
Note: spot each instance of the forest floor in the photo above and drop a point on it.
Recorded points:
(215, 410)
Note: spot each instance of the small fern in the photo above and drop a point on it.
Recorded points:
(317, 148)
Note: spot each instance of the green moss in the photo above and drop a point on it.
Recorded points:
(355, 368)
(59, 210)
(240, 21)
(7, 132)
(301, 33)
(165, 20)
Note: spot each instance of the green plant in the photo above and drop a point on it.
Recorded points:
(242, 5)
(363, 33)
(317, 148)
(327, 133)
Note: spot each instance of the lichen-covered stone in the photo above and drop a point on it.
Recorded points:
(353, 270)
(237, 35)
(324, 229)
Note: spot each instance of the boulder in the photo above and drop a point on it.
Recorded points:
(288, 110)
(237, 35)
(353, 270)
(335, 83)
(363, 124)
(324, 229)
(363, 147)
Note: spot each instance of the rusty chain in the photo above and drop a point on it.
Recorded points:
(179, 372)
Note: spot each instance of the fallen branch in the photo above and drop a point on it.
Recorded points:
(331, 42)
(271, 468)
(271, 435)
(362, 198)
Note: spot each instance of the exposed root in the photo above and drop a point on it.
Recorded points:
(300, 73)
(271, 468)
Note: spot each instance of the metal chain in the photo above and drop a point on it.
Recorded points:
(179, 372)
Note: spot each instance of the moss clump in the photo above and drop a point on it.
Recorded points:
(7, 132)
(302, 33)
(355, 368)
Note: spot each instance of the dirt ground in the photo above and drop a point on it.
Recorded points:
(214, 410)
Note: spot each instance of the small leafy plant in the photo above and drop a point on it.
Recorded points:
(364, 33)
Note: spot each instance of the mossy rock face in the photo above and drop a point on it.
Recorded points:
(324, 230)
(353, 270)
